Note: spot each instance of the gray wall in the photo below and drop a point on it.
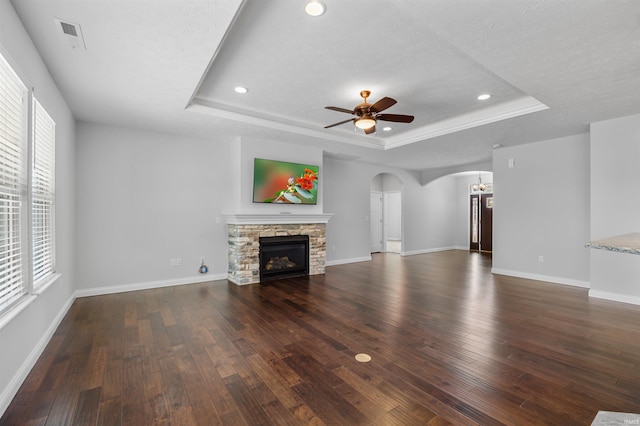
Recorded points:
(615, 181)
(615, 206)
(541, 208)
(428, 212)
(146, 198)
(23, 337)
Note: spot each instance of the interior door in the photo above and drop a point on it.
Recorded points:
(486, 222)
(481, 222)
(375, 222)
(474, 225)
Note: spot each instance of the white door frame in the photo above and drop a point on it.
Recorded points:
(376, 222)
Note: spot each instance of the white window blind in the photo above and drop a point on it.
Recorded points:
(13, 183)
(43, 194)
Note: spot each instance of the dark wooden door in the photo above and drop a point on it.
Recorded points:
(486, 222)
(481, 222)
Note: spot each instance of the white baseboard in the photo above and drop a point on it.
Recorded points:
(615, 297)
(24, 370)
(425, 251)
(538, 277)
(345, 261)
(97, 291)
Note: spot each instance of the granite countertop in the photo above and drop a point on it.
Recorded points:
(627, 243)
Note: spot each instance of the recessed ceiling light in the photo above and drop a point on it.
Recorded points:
(386, 129)
(315, 8)
(241, 89)
(484, 97)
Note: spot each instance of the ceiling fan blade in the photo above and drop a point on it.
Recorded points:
(398, 118)
(337, 124)
(370, 130)
(348, 111)
(382, 104)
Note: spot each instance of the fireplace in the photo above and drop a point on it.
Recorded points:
(246, 230)
(283, 256)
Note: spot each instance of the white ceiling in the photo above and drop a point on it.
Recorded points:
(552, 67)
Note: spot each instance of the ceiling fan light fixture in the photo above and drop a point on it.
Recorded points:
(365, 122)
(315, 8)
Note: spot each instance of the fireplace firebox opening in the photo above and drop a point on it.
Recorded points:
(284, 257)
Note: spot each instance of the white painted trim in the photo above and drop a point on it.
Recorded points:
(21, 374)
(15, 310)
(425, 251)
(538, 277)
(280, 123)
(615, 297)
(498, 112)
(97, 291)
(345, 261)
(43, 287)
(492, 114)
(278, 219)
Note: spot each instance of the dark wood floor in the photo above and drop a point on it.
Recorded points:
(450, 344)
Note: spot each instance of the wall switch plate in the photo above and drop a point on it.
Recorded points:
(511, 163)
(540, 259)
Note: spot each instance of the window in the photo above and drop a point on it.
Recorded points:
(42, 194)
(27, 190)
(13, 188)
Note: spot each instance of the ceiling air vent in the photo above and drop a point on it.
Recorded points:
(71, 34)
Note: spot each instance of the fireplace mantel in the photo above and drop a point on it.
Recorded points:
(275, 219)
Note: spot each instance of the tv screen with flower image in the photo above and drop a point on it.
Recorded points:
(282, 182)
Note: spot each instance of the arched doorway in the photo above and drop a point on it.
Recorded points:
(386, 213)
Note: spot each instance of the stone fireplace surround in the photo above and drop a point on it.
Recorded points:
(244, 231)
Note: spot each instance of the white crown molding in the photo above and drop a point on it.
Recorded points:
(277, 123)
(491, 114)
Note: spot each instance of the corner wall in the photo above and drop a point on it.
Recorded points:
(541, 208)
(615, 206)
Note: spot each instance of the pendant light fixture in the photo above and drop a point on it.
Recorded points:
(479, 186)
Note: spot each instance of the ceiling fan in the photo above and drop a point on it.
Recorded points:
(367, 114)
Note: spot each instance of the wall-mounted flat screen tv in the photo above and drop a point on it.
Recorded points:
(283, 182)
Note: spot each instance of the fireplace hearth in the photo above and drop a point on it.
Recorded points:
(283, 257)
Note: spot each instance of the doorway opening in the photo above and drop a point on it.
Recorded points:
(481, 216)
(386, 214)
